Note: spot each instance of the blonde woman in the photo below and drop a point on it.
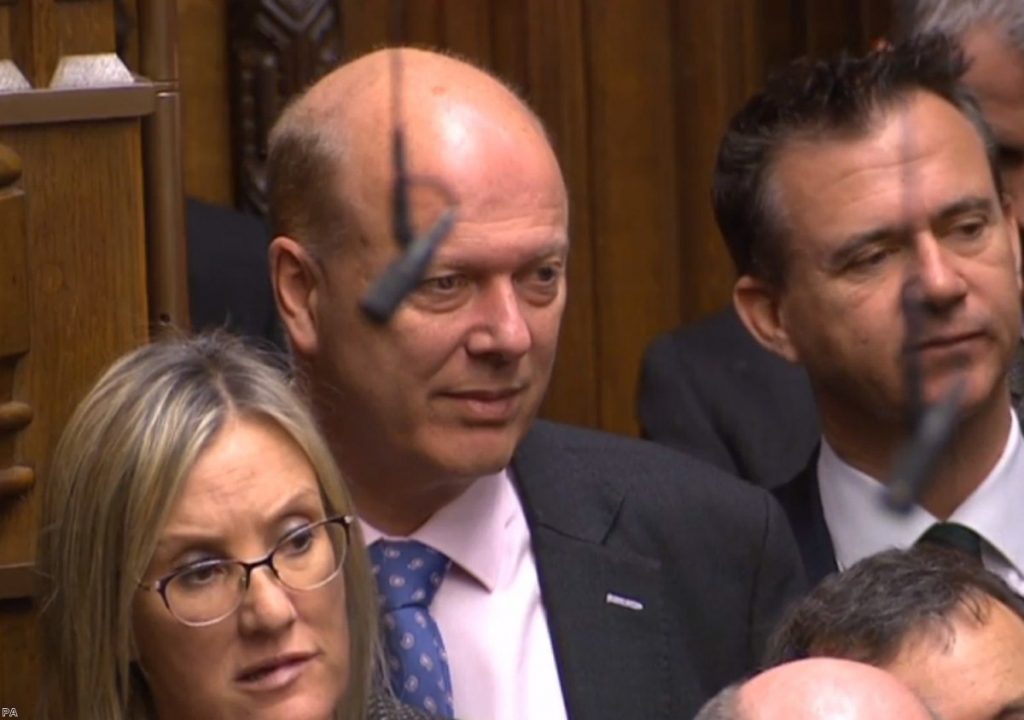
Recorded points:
(198, 551)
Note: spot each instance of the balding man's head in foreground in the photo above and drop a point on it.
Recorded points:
(419, 408)
(818, 689)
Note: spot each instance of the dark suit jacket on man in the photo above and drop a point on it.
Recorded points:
(711, 390)
(801, 500)
(660, 575)
(229, 274)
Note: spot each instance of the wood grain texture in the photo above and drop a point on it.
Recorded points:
(633, 175)
(87, 300)
(202, 30)
(42, 31)
(6, 51)
(557, 87)
(86, 265)
(718, 52)
(19, 656)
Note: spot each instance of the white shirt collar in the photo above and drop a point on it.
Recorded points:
(860, 525)
(470, 530)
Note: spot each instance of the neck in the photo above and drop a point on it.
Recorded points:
(972, 453)
(393, 494)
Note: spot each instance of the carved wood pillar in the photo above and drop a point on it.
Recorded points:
(278, 48)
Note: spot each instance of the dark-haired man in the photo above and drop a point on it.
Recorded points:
(945, 626)
(855, 196)
(711, 390)
(577, 575)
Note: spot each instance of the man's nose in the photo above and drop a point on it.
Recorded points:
(937, 274)
(502, 330)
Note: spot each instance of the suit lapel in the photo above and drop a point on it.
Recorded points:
(605, 607)
(801, 499)
(1016, 376)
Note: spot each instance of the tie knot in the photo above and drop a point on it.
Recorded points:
(408, 572)
(954, 536)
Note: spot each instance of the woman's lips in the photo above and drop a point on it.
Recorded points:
(274, 674)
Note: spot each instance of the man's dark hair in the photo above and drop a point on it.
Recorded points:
(816, 100)
(866, 613)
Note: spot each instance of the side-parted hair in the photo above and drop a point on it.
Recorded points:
(117, 471)
(305, 156)
(821, 100)
(866, 613)
(957, 17)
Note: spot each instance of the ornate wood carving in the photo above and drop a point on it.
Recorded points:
(278, 47)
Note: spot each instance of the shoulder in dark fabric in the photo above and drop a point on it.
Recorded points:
(660, 575)
(229, 273)
(711, 390)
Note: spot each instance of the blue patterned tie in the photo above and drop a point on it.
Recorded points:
(408, 575)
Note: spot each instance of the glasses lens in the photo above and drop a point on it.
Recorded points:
(205, 592)
(311, 556)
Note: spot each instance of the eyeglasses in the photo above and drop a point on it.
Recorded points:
(208, 591)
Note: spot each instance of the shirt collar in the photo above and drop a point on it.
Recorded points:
(470, 530)
(860, 525)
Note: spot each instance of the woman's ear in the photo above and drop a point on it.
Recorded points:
(758, 304)
(294, 275)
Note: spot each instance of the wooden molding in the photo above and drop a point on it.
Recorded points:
(39, 107)
(10, 166)
(16, 480)
(15, 416)
(17, 581)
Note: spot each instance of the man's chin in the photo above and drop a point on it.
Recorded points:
(474, 452)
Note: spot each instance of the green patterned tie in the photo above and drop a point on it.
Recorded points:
(954, 536)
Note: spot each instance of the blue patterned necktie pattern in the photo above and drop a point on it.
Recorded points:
(408, 575)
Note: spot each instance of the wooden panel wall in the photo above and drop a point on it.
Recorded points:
(73, 280)
(635, 96)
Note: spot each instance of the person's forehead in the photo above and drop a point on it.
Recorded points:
(247, 459)
(891, 158)
(982, 652)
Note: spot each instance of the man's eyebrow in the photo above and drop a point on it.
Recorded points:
(964, 206)
(558, 247)
(855, 243)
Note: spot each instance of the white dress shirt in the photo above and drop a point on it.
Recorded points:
(860, 525)
(488, 607)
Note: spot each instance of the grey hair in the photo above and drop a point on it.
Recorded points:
(723, 706)
(956, 17)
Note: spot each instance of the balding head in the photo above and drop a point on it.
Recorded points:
(330, 168)
(818, 689)
(418, 409)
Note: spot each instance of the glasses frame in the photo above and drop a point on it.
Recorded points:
(160, 586)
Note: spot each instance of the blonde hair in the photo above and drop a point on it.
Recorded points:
(117, 471)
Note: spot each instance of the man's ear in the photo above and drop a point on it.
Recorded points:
(758, 305)
(295, 277)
